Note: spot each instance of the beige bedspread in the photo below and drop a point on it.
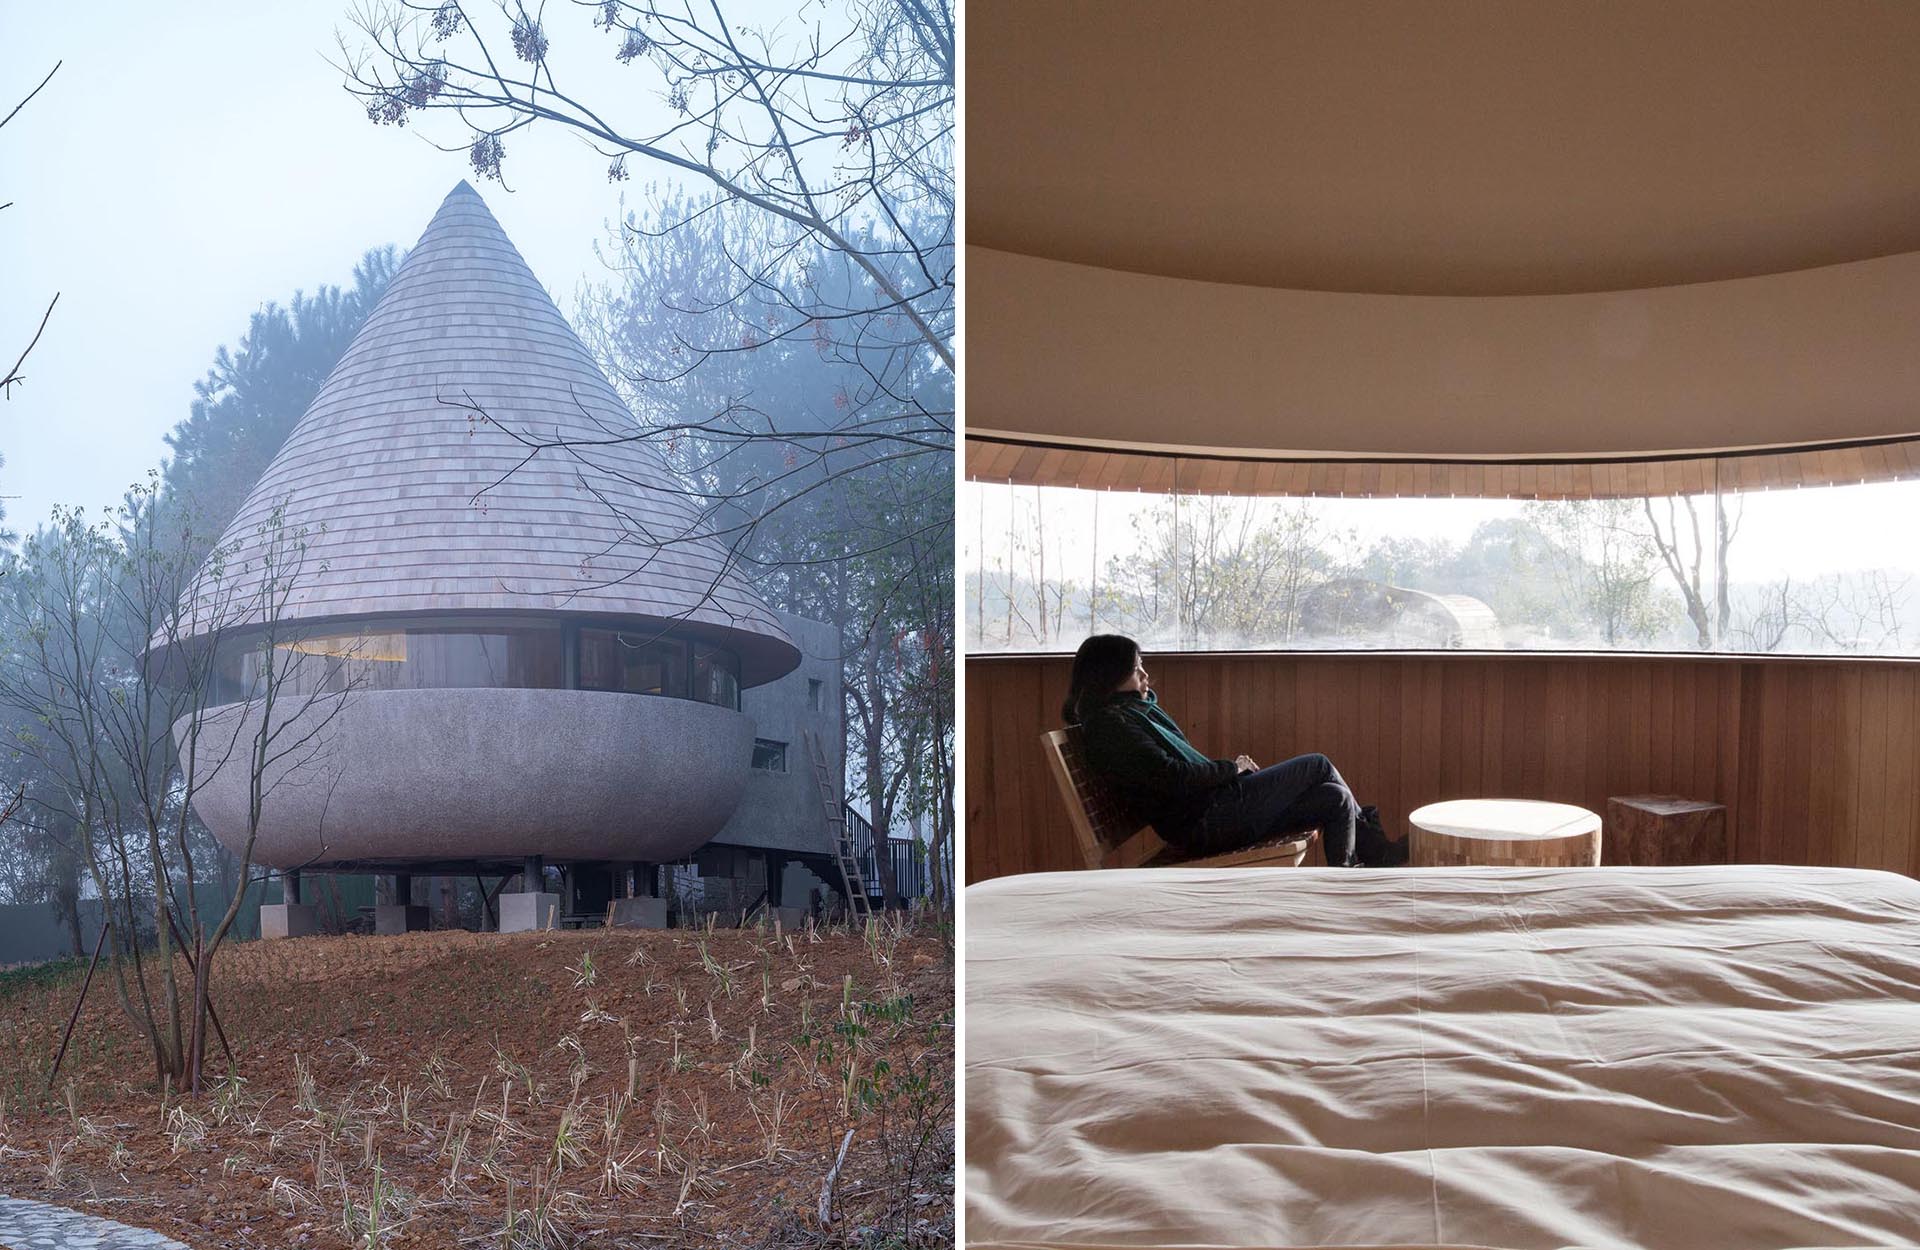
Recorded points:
(1670, 1057)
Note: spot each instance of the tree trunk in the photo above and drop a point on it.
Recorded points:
(73, 929)
(880, 813)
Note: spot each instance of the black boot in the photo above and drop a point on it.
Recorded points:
(1374, 847)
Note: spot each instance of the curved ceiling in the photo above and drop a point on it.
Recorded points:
(1072, 354)
(1505, 147)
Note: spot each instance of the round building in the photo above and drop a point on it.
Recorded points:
(497, 629)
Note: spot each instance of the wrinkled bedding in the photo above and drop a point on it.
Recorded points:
(1670, 1057)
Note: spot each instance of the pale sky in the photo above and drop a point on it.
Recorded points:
(190, 163)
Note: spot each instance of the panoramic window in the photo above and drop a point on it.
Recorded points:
(1803, 570)
(494, 658)
(403, 660)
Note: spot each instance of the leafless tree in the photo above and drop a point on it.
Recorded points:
(11, 876)
(844, 136)
(1766, 623)
(115, 629)
(1860, 612)
(1233, 570)
(1844, 612)
(58, 632)
(1029, 578)
(13, 375)
(1609, 567)
(893, 609)
(1681, 540)
(927, 697)
(279, 729)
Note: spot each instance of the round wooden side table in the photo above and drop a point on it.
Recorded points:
(1504, 833)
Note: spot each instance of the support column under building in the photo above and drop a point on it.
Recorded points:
(289, 918)
(401, 916)
(533, 907)
(789, 917)
(643, 908)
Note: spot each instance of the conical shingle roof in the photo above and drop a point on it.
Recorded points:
(413, 504)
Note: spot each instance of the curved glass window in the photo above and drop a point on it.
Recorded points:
(440, 659)
(645, 663)
(486, 657)
(1710, 567)
(635, 663)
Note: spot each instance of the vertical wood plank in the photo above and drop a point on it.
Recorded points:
(1817, 761)
(1487, 778)
(1900, 850)
(1870, 724)
(1660, 761)
(1794, 722)
(1837, 758)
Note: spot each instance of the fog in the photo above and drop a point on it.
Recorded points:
(178, 172)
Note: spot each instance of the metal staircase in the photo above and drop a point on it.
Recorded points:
(859, 906)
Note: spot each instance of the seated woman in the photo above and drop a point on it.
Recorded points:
(1205, 806)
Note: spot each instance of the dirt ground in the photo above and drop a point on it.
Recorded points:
(449, 1090)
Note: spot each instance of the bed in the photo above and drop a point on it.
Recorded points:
(1664, 1057)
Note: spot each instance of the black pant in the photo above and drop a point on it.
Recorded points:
(1305, 792)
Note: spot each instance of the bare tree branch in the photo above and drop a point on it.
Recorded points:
(757, 137)
(13, 375)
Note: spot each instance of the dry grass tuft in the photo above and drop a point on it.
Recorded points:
(446, 1091)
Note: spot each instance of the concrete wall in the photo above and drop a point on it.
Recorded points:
(478, 773)
(782, 810)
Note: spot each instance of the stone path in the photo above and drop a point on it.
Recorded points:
(36, 1226)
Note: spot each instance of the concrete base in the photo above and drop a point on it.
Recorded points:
(288, 920)
(639, 913)
(393, 918)
(520, 913)
(792, 919)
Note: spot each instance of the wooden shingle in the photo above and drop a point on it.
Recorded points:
(427, 478)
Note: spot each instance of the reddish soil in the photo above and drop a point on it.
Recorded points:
(450, 1090)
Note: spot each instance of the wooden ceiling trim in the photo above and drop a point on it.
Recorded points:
(1039, 464)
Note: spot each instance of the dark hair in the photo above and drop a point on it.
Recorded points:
(1099, 666)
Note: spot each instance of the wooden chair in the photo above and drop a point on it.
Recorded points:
(1107, 839)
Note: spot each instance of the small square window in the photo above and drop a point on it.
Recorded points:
(770, 755)
(813, 693)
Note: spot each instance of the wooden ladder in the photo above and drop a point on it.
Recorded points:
(859, 906)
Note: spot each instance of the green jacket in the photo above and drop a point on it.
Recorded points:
(1151, 768)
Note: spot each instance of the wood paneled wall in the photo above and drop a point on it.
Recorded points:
(1814, 759)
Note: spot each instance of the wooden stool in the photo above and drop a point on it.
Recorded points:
(1648, 830)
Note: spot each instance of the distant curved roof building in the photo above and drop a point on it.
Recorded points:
(1356, 610)
(489, 603)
